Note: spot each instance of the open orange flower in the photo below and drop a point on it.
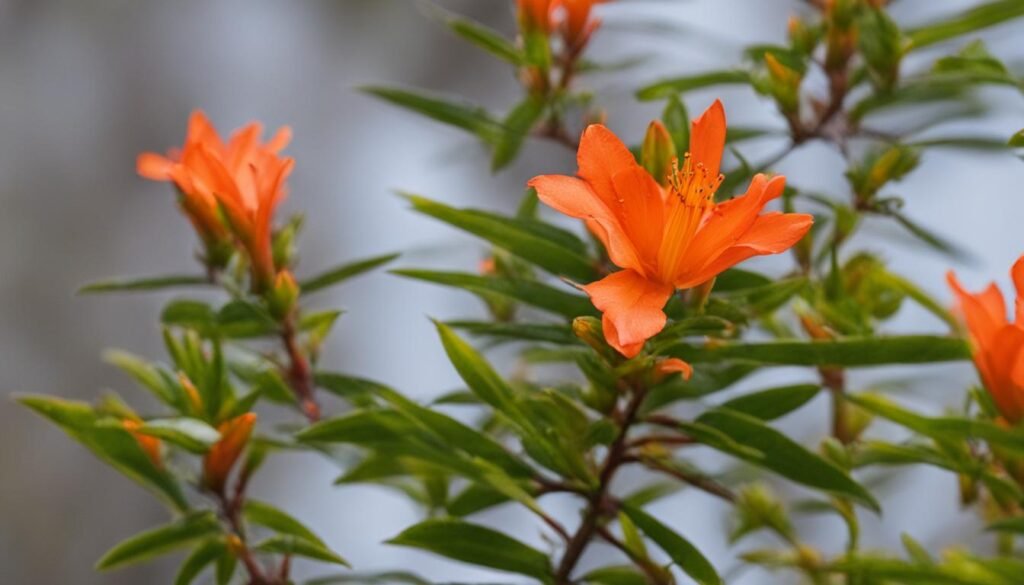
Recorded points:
(234, 435)
(244, 175)
(664, 238)
(998, 344)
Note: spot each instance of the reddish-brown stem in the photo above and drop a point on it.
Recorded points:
(231, 512)
(598, 503)
(300, 375)
(835, 380)
(677, 440)
(700, 482)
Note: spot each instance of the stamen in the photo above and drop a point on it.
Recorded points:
(694, 191)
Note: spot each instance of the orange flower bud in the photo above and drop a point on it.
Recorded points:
(234, 435)
(194, 400)
(657, 152)
(150, 445)
(535, 15)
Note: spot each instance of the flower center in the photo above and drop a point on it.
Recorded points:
(691, 192)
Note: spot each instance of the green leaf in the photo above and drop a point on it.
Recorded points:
(1012, 525)
(531, 292)
(201, 557)
(616, 575)
(384, 578)
(550, 333)
(475, 498)
(356, 390)
(342, 273)
(482, 36)
(147, 375)
(189, 433)
(113, 445)
(941, 428)
(518, 124)
(845, 352)
(785, 456)
(299, 547)
(470, 118)
(773, 403)
(667, 87)
(968, 21)
(553, 249)
(268, 516)
(476, 545)
(680, 550)
(160, 540)
(482, 380)
(1017, 140)
(143, 284)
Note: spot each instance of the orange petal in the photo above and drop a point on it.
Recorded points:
(641, 211)
(632, 307)
(234, 435)
(771, 233)
(601, 155)
(154, 166)
(707, 140)
(674, 366)
(1017, 272)
(1000, 369)
(984, 312)
(281, 139)
(575, 198)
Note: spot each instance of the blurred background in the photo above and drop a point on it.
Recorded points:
(85, 86)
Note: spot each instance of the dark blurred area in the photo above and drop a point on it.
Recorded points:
(85, 86)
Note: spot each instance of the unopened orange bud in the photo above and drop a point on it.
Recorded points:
(487, 266)
(194, 400)
(284, 294)
(814, 327)
(150, 445)
(657, 152)
(535, 15)
(234, 435)
(669, 366)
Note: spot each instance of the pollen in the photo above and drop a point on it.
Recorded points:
(692, 184)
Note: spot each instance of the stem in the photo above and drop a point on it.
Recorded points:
(231, 511)
(835, 380)
(700, 482)
(598, 503)
(654, 573)
(300, 376)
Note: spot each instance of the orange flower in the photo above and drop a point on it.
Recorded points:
(244, 175)
(578, 26)
(535, 14)
(234, 435)
(998, 344)
(664, 238)
(150, 445)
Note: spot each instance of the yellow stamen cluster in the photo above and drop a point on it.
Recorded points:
(694, 189)
(692, 183)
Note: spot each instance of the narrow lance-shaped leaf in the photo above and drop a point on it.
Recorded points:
(847, 352)
(342, 273)
(775, 402)
(203, 555)
(968, 21)
(300, 547)
(160, 540)
(517, 125)
(680, 550)
(142, 284)
(553, 249)
(477, 545)
(189, 433)
(676, 85)
(470, 118)
(268, 516)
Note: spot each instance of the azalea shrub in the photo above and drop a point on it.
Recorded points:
(638, 324)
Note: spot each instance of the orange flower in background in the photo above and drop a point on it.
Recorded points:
(244, 175)
(578, 25)
(998, 344)
(234, 435)
(535, 14)
(664, 238)
(150, 445)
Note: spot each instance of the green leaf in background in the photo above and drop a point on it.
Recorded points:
(299, 547)
(784, 456)
(616, 575)
(676, 85)
(146, 283)
(114, 445)
(847, 352)
(773, 403)
(482, 36)
(263, 514)
(553, 249)
(384, 578)
(1017, 140)
(189, 433)
(477, 545)
(472, 119)
(202, 556)
(531, 292)
(359, 391)
(680, 550)
(968, 21)
(550, 333)
(342, 273)
(147, 375)
(160, 540)
(517, 124)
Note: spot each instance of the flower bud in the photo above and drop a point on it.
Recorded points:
(282, 297)
(658, 152)
(785, 83)
(669, 366)
(234, 435)
(191, 393)
(150, 445)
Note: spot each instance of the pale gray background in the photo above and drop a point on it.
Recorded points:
(85, 86)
